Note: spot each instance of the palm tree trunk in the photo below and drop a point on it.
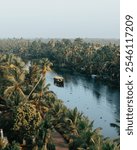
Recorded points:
(34, 87)
(44, 147)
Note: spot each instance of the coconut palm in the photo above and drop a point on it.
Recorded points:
(44, 134)
(12, 79)
(14, 91)
(72, 119)
(11, 62)
(41, 83)
(27, 120)
(109, 144)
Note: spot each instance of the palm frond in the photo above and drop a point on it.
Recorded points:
(10, 78)
(22, 77)
(8, 92)
(21, 93)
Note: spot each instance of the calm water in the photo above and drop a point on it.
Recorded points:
(96, 100)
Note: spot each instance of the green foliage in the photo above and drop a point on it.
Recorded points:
(78, 55)
(51, 146)
(27, 120)
(33, 112)
(110, 145)
(78, 130)
(44, 133)
(12, 146)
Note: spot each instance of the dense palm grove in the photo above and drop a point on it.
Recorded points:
(30, 112)
(77, 55)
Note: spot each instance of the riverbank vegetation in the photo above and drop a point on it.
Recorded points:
(31, 113)
(77, 55)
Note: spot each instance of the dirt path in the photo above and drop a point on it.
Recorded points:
(59, 141)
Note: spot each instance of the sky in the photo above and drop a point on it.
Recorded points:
(59, 18)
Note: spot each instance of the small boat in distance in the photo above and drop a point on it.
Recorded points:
(59, 81)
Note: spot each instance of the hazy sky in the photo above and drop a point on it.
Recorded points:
(59, 18)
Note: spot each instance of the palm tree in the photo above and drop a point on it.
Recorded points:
(72, 119)
(44, 67)
(27, 120)
(14, 90)
(110, 145)
(12, 79)
(11, 62)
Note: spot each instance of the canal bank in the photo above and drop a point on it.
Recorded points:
(96, 100)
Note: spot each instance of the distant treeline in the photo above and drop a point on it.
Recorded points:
(76, 55)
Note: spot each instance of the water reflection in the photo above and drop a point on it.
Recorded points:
(95, 99)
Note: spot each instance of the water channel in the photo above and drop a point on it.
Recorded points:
(97, 101)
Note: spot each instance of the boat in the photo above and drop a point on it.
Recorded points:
(59, 81)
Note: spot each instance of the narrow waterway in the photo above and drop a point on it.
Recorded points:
(97, 101)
